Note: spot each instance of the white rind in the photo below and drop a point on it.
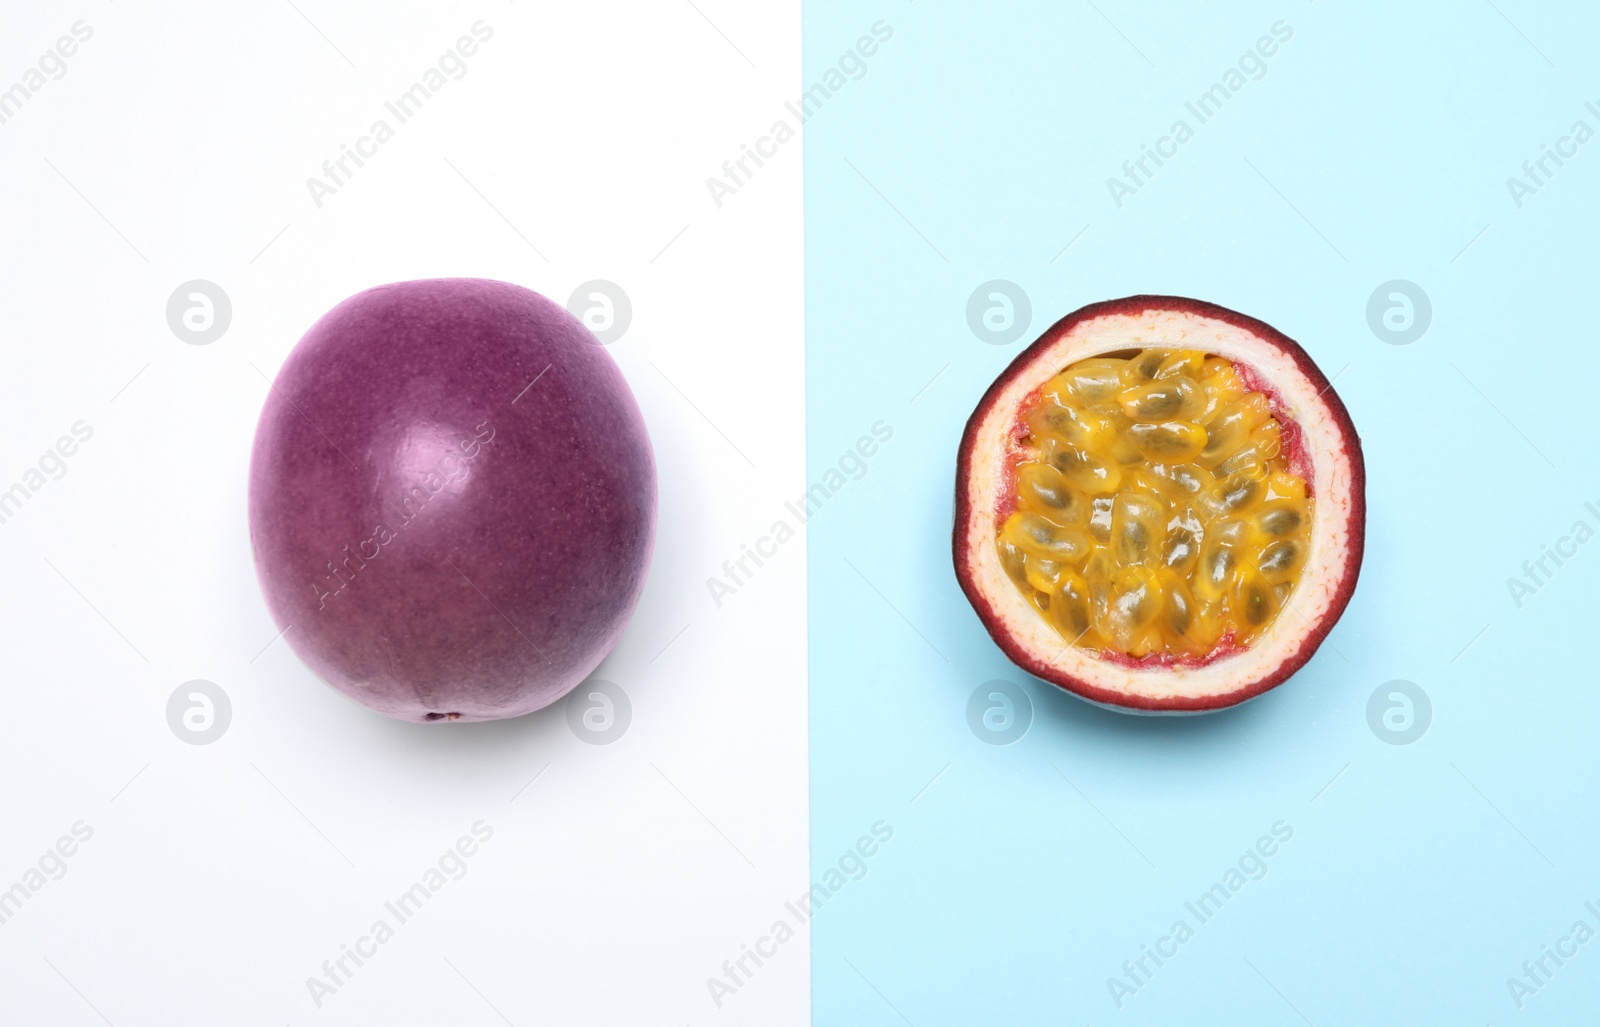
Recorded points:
(1333, 473)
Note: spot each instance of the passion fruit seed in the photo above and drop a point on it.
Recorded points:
(1155, 510)
(1047, 489)
(1167, 399)
(1137, 524)
(1182, 549)
(1083, 470)
(1088, 381)
(1279, 561)
(1168, 440)
(1069, 606)
(1039, 538)
(1278, 519)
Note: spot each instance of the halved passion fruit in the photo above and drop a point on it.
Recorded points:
(1160, 506)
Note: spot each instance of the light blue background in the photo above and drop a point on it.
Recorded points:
(975, 148)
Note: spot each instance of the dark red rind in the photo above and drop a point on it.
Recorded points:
(1134, 305)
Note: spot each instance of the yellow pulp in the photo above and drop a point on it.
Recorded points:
(1155, 510)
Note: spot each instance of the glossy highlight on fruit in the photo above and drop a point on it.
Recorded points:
(452, 500)
(1160, 506)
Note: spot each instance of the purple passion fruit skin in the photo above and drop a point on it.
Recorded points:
(452, 500)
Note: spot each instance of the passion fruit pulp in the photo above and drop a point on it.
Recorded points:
(1160, 506)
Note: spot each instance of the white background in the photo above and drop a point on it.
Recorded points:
(220, 877)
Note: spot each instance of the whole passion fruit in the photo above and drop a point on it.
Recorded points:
(452, 500)
(1160, 506)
